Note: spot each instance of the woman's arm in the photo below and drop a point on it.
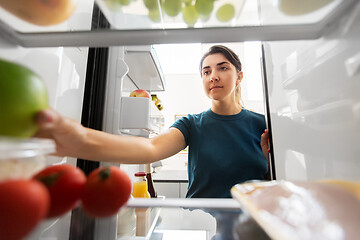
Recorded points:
(72, 139)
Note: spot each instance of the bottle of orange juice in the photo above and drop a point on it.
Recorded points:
(140, 187)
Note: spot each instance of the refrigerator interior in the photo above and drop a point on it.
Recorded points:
(314, 103)
(312, 84)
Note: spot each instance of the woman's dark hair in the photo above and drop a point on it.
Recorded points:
(227, 52)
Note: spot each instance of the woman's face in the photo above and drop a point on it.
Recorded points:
(220, 77)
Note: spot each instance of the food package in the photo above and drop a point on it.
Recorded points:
(301, 210)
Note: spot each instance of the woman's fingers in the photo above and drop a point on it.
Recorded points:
(265, 146)
(46, 119)
(48, 122)
(264, 138)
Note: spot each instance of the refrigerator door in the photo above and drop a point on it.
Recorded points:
(314, 103)
(63, 70)
(124, 114)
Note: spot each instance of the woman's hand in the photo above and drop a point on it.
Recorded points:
(265, 146)
(68, 134)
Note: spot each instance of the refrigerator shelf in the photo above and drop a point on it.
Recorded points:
(146, 221)
(262, 22)
(206, 215)
(189, 203)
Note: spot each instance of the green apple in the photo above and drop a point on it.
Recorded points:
(22, 95)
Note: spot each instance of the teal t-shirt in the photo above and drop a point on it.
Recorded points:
(223, 150)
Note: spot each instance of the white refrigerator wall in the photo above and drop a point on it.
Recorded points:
(63, 71)
(117, 81)
(315, 103)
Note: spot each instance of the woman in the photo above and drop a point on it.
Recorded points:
(227, 143)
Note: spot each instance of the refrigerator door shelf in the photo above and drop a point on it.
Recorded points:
(137, 116)
(149, 76)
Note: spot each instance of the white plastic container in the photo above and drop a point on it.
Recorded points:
(139, 117)
(135, 113)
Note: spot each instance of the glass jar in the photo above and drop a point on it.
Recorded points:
(140, 187)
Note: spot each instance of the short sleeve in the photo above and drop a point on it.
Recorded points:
(184, 125)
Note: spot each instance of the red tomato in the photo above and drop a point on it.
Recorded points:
(65, 183)
(23, 204)
(106, 190)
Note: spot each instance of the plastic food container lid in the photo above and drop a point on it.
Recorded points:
(21, 158)
(18, 148)
(140, 174)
